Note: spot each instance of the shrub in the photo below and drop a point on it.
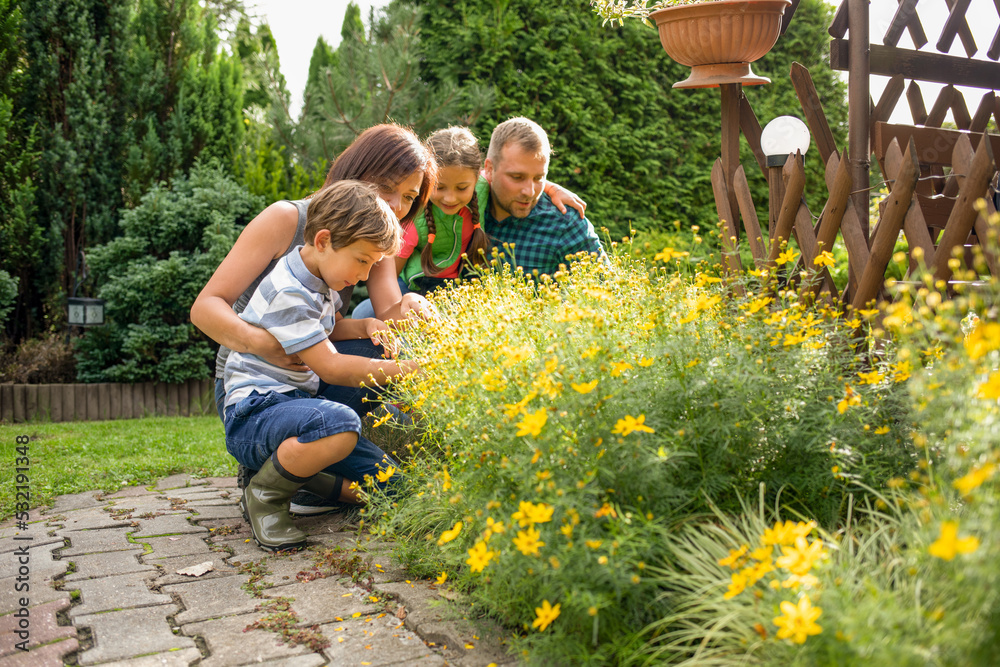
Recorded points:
(569, 427)
(48, 359)
(171, 244)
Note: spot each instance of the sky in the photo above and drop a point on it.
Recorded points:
(297, 23)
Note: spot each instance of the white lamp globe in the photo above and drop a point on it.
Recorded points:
(782, 136)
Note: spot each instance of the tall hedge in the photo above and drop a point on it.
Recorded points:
(639, 151)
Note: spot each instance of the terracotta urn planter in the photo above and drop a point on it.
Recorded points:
(719, 40)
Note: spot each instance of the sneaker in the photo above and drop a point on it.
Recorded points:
(309, 504)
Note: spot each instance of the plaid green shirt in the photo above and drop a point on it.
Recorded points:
(542, 240)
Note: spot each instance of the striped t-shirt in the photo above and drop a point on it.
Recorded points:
(298, 309)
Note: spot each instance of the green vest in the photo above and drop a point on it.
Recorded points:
(447, 246)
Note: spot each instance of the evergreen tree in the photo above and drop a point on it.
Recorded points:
(21, 238)
(639, 151)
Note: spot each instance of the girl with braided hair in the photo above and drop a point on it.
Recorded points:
(446, 238)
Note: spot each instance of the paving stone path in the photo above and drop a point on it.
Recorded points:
(117, 580)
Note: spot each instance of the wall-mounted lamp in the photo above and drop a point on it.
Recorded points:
(781, 137)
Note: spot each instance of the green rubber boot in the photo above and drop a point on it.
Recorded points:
(265, 507)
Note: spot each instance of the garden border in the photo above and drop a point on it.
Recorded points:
(91, 402)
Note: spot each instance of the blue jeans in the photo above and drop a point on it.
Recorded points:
(259, 423)
(360, 399)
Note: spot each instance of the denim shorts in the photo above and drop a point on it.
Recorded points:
(259, 423)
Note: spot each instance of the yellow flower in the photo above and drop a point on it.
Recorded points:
(606, 510)
(983, 339)
(494, 380)
(532, 423)
(787, 532)
(825, 258)
(989, 390)
(529, 513)
(737, 585)
(762, 553)
(528, 541)
(757, 304)
(544, 615)
(479, 556)
(788, 256)
(798, 622)
(949, 544)
(873, 377)
(901, 371)
(646, 363)
(882, 430)
(735, 557)
(584, 388)
(630, 424)
(594, 544)
(669, 254)
(446, 484)
(851, 398)
(443, 577)
(384, 475)
(382, 420)
(449, 535)
(619, 367)
(800, 558)
(966, 484)
(590, 351)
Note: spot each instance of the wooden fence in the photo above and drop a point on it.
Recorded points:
(88, 402)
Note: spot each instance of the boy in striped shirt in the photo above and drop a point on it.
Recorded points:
(275, 422)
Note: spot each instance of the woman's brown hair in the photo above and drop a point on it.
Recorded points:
(456, 147)
(385, 155)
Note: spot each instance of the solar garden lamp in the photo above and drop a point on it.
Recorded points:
(781, 138)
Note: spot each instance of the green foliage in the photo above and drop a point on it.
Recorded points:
(170, 246)
(20, 233)
(373, 77)
(604, 95)
(626, 401)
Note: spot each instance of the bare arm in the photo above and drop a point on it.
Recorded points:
(562, 198)
(348, 370)
(266, 237)
(389, 303)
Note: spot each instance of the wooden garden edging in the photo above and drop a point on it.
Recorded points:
(89, 402)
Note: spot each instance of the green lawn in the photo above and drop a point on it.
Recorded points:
(81, 456)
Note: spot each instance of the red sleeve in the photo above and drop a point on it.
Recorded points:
(410, 240)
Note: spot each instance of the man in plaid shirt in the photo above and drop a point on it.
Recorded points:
(519, 214)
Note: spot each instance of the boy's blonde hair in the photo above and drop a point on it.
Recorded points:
(522, 131)
(352, 211)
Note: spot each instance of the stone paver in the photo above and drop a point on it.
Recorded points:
(228, 645)
(91, 518)
(93, 566)
(123, 591)
(130, 492)
(210, 512)
(168, 524)
(35, 535)
(322, 601)
(174, 545)
(96, 541)
(42, 628)
(211, 598)
(178, 481)
(284, 569)
(41, 565)
(148, 632)
(76, 501)
(50, 655)
(376, 641)
(170, 566)
(38, 595)
(243, 551)
(180, 658)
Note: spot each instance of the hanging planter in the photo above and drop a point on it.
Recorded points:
(719, 40)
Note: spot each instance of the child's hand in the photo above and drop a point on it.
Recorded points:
(562, 198)
(379, 333)
(415, 305)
